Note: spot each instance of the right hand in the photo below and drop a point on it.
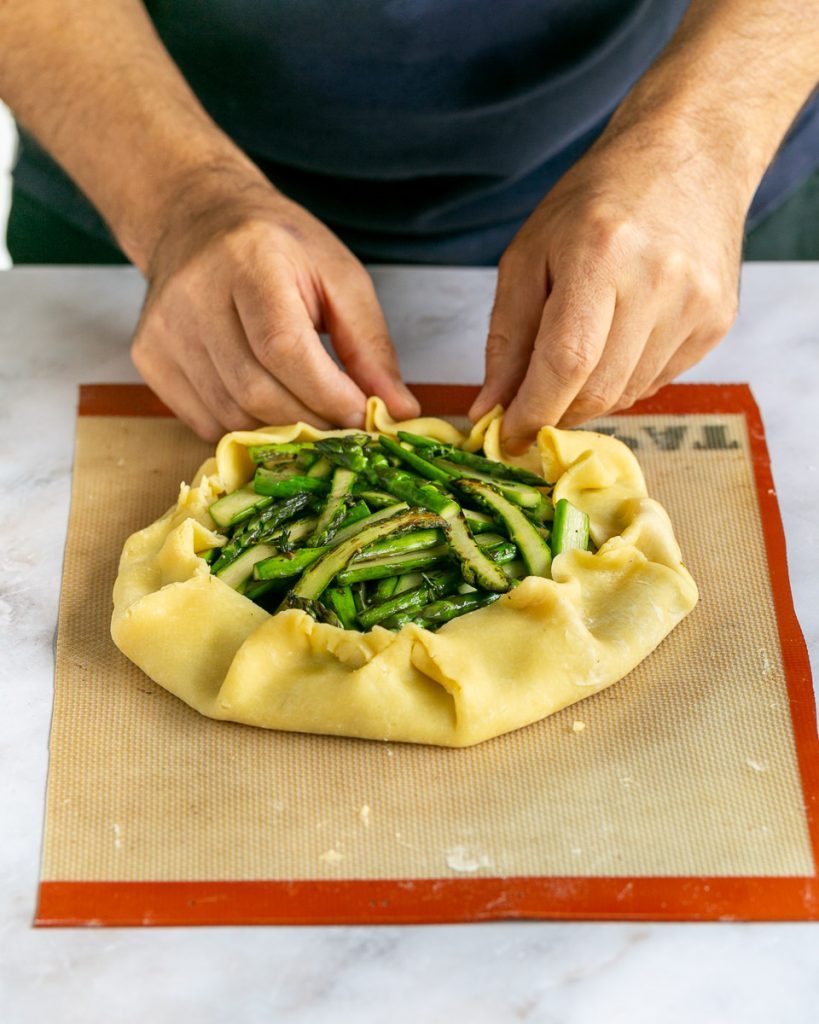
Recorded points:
(240, 285)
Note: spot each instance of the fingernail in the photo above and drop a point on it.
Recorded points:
(354, 420)
(412, 402)
(478, 408)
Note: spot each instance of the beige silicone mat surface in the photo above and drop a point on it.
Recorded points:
(686, 767)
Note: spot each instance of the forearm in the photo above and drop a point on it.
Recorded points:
(94, 84)
(730, 83)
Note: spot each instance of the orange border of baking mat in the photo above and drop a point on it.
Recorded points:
(432, 900)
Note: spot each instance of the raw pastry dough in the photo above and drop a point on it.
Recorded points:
(539, 648)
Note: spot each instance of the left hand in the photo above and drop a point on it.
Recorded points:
(624, 276)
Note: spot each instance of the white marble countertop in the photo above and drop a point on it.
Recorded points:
(60, 327)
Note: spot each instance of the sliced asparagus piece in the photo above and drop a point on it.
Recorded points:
(334, 507)
(476, 566)
(533, 548)
(416, 462)
(447, 608)
(341, 600)
(393, 565)
(240, 569)
(415, 491)
(570, 530)
(434, 585)
(408, 581)
(385, 588)
(254, 589)
(375, 499)
(319, 576)
(270, 483)
(520, 494)
(291, 535)
(237, 506)
(399, 545)
(321, 468)
(275, 452)
(498, 470)
(346, 532)
(355, 513)
(478, 522)
(282, 564)
(264, 525)
(346, 452)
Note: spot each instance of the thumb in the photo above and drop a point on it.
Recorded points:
(361, 338)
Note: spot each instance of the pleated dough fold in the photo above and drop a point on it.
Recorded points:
(539, 648)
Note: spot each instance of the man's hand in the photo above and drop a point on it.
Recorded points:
(623, 277)
(627, 272)
(241, 280)
(239, 287)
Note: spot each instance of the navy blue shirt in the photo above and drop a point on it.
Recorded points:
(419, 130)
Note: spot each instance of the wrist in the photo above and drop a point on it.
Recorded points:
(683, 133)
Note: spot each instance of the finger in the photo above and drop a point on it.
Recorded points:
(696, 346)
(208, 384)
(520, 296)
(576, 321)
(360, 336)
(167, 380)
(249, 383)
(634, 318)
(675, 346)
(284, 340)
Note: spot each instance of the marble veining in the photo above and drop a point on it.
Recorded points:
(59, 327)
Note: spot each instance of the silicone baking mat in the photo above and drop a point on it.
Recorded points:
(688, 791)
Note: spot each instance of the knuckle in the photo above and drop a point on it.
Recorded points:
(511, 261)
(725, 316)
(570, 362)
(595, 400)
(497, 345)
(609, 230)
(236, 419)
(280, 345)
(256, 396)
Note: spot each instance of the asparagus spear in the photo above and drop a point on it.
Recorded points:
(416, 541)
(414, 491)
(439, 612)
(345, 452)
(270, 483)
(237, 506)
(477, 568)
(350, 530)
(498, 470)
(280, 565)
(334, 507)
(385, 588)
(354, 514)
(271, 452)
(341, 600)
(393, 565)
(434, 585)
(319, 576)
(416, 462)
(571, 528)
(376, 499)
(237, 572)
(266, 523)
(533, 547)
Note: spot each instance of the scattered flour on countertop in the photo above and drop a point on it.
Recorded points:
(458, 858)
